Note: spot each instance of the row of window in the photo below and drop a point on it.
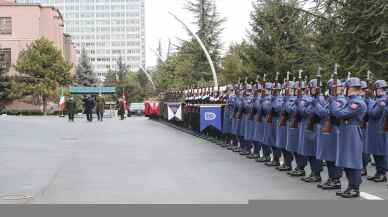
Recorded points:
(105, 37)
(78, 29)
(134, 22)
(70, 15)
(102, 7)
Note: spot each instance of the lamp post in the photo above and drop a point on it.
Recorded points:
(209, 59)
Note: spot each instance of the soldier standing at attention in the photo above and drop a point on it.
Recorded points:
(277, 103)
(375, 144)
(328, 134)
(100, 107)
(269, 130)
(307, 134)
(227, 123)
(71, 108)
(281, 137)
(350, 148)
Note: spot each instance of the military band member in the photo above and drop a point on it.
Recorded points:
(350, 147)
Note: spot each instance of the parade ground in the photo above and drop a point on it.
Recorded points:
(135, 161)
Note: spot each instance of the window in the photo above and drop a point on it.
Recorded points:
(5, 58)
(5, 25)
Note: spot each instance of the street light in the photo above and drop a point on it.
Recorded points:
(209, 59)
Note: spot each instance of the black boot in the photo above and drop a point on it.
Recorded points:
(340, 193)
(364, 173)
(380, 179)
(352, 193)
(263, 159)
(312, 179)
(332, 185)
(284, 168)
(297, 173)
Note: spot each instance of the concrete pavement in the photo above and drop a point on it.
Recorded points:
(48, 160)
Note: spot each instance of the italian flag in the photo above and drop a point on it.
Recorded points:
(62, 101)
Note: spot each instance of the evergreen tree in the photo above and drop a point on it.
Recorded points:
(4, 85)
(43, 70)
(209, 24)
(85, 74)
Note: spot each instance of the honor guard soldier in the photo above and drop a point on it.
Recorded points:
(293, 133)
(274, 120)
(328, 134)
(240, 115)
(269, 130)
(375, 143)
(236, 120)
(350, 148)
(258, 134)
(281, 137)
(366, 158)
(307, 131)
(227, 117)
(248, 122)
(255, 152)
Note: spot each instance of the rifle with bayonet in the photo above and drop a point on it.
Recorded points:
(328, 122)
(315, 119)
(287, 93)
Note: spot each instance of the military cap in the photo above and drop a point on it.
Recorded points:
(381, 84)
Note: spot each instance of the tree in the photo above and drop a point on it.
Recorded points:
(4, 85)
(85, 74)
(209, 24)
(43, 70)
(237, 65)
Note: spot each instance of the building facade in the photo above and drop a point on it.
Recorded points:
(20, 25)
(106, 29)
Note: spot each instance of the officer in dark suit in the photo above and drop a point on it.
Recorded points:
(89, 105)
(100, 107)
(71, 108)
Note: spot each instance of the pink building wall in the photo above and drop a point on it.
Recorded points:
(29, 23)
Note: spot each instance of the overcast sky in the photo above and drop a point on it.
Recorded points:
(161, 26)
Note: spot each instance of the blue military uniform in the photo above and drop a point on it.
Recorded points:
(227, 117)
(293, 132)
(269, 129)
(247, 122)
(350, 150)
(307, 137)
(375, 142)
(327, 141)
(281, 132)
(258, 134)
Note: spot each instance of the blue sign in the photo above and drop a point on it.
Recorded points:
(92, 90)
(210, 116)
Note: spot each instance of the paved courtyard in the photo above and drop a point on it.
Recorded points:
(49, 160)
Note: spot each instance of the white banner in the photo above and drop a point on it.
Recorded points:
(174, 111)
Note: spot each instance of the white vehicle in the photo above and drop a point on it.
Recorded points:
(136, 109)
